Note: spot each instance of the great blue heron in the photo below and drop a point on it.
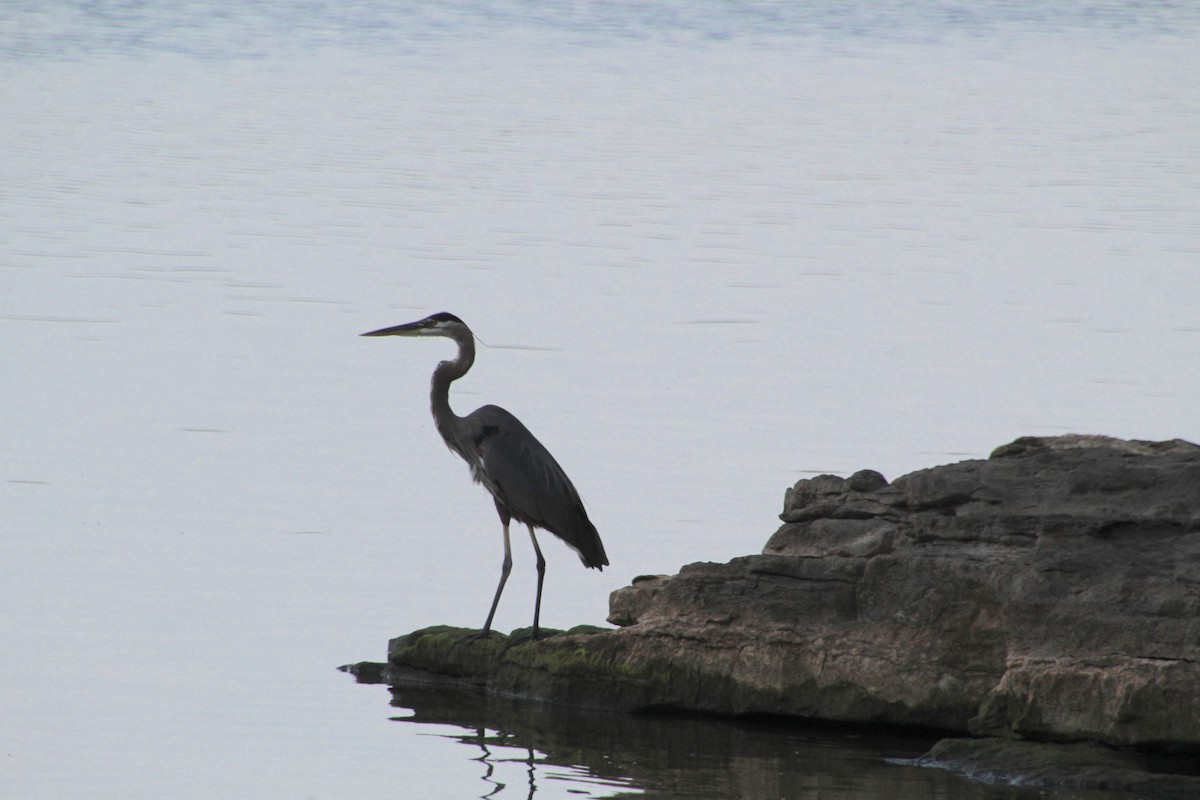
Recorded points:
(525, 481)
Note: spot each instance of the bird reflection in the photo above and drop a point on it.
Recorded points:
(481, 739)
(489, 767)
(570, 747)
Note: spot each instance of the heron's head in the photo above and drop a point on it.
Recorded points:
(441, 324)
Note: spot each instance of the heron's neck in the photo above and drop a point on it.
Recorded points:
(446, 373)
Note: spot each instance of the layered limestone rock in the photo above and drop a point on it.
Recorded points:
(1049, 592)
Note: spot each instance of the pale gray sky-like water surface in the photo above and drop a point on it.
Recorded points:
(711, 250)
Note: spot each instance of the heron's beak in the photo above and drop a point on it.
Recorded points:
(408, 329)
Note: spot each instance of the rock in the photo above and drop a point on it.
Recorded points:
(641, 591)
(1085, 766)
(861, 496)
(1050, 592)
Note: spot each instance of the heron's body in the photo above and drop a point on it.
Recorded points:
(525, 481)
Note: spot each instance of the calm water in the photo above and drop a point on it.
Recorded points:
(713, 248)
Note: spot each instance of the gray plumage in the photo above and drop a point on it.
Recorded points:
(525, 481)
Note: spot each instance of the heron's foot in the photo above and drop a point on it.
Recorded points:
(523, 636)
(486, 633)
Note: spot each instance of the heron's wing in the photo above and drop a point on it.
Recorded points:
(523, 476)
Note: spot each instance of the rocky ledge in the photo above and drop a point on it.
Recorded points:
(1048, 593)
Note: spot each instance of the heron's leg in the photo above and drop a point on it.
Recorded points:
(541, 570)
(505, 568)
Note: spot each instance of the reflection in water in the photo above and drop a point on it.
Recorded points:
(510, 733)
(603, 754)
(481, 738)
(495, 753)
(491, 758)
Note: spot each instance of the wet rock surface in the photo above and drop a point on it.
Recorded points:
(1050, 592)
(1067, 766)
